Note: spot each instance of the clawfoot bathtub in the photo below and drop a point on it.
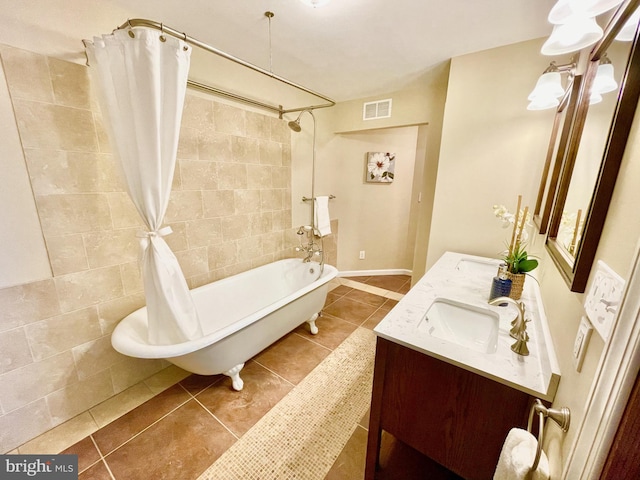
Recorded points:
(240, 315)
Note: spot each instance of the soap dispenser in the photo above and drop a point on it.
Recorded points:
(501, 285)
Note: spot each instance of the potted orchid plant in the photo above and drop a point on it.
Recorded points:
(518, 261)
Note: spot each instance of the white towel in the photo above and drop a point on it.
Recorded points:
(323, 221)
(517, 456)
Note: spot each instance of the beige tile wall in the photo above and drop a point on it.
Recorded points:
(230, 210)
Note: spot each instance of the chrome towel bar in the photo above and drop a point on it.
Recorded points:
(307, 199)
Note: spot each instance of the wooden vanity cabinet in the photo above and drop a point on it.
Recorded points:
(453, 416)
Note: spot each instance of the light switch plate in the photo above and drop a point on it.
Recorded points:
(581, 342)
(604, 299)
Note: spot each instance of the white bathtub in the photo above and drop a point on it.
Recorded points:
(241, 315)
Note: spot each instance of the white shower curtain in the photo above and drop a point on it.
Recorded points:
(142, 80)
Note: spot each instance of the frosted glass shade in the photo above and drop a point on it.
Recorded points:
(564, 9)
(549, 85)
(628, 31)
(604, 81)
(595, 98)
(576, 34)
(542, 103)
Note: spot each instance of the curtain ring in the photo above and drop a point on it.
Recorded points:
(162, 37)
(130, 32)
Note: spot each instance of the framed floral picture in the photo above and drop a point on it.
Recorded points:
(380, 167)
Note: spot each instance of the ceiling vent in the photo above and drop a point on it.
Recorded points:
(375, 110)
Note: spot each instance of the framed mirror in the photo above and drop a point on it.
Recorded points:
(597, 138)
(557, 148)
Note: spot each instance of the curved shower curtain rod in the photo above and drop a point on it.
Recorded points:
(140, 22)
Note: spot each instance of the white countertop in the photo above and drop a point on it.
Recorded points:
(467, 279)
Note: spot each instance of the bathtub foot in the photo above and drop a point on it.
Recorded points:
(234, 373)
(312, 324)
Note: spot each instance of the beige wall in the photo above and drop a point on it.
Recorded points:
(230, 210)
(387, 221)
(373, 217)
(492, 150)
(417, 104)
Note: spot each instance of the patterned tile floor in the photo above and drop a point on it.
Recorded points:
(179, 433)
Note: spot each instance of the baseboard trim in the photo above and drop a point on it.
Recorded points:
(369, 273)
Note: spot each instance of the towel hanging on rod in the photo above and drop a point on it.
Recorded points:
(519, 446)
(322, 218)
(516, 457)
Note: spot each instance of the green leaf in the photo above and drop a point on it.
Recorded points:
(527, 265)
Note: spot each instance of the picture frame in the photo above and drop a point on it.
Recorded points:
(380, 167)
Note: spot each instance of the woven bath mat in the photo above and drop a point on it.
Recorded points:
(301, 437)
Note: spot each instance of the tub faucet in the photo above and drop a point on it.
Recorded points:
(519, 325)
(311, 248)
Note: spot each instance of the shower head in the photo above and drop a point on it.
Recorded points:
(295, 125)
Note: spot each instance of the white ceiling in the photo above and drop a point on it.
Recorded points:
(348, 49)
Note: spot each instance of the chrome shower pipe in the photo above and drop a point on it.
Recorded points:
(295, 126)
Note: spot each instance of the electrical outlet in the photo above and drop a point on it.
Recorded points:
(581, 342)
(361, 254)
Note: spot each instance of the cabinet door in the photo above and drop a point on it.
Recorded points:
(455, 417)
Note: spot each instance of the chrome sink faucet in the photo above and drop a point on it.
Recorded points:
(519, 325)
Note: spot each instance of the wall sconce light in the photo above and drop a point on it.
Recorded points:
(549, 89)
(594, 98)
(575, 26)
(579, 32)
(542, 103)
(564, 9)
(604, 81)
(628, 31)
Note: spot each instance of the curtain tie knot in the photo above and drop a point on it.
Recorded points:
(162, 232)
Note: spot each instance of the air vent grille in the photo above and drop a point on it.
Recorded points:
(378, 109)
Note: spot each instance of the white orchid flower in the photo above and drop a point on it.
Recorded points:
(378, 164)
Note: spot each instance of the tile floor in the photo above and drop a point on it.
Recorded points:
(180, 432)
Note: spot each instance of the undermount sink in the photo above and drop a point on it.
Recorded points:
(466, 325)
(480, 267)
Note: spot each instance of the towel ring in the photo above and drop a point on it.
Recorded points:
(561, 416)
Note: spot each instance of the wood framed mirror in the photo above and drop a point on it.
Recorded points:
(557, 148)
(586, 180)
